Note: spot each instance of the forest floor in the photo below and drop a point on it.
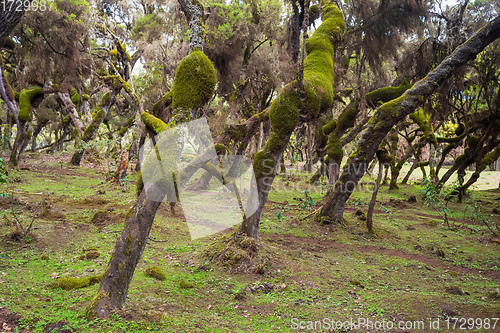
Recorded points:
(415, 271)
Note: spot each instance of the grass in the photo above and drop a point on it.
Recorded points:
(316, 272)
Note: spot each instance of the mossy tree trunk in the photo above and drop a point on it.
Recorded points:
(128, 250)
(28, 98)
(91, 130)
(194, 85)
(396, 168)
(72, 111)
(488, 159)
(393, 112)
(307, 99)
(39, 126)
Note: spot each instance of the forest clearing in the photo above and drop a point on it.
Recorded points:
(414, 268)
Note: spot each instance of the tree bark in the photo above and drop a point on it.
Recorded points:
(392, 112)
(371, 206)
(128, 250)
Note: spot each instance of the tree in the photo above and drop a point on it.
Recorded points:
(305, 98)
(392, 112)
(194, 85)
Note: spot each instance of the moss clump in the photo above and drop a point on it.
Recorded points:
(92, 254)
(423, 120)
(45, 257)
(92, 128)
(25, 99)
(70, 283)
(165, 101)
(186, 285)
(330, 127)
(318, 65)
(472, 141)
(263, 164)
(139, 184)
(105, 100)
(348, 116)
(194, 82)
(153, 123)
(220, 148)
(75, 97)
(334, 148)
(155, 272)
(284, 112)
(384, 95)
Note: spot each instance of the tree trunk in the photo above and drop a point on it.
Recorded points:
(37, 131)
(412, 168)
(392, 112)
(128, 250)
(114, 286)
(286, 109)
(371, 206)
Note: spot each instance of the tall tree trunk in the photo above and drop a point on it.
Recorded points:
(309, 96)
(130, 246)
(371, 206)
(128, 250)
(391, 113)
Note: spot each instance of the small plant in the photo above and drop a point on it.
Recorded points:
(390, 216)
(477, 214)
(309, 199)
(438, 197)
(360, 202)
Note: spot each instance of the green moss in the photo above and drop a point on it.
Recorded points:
(75, 97)
(334, 148)
(488, 159)
(314, 12)
(153, 123)
(194, 83)
(348, 116)
(185, 285)
(92, 128)
(69, 283)
(220, 148)
(423, 120)
(472, 141)
(263, 164)
(284, 112)
(139, 184)
(384, 95)
(155, 272)
(8, 88)
(93, 254)
(318, 65)
(91, 313)
(165, 101)
(330, 127)
(25, 98)
(105, 100)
